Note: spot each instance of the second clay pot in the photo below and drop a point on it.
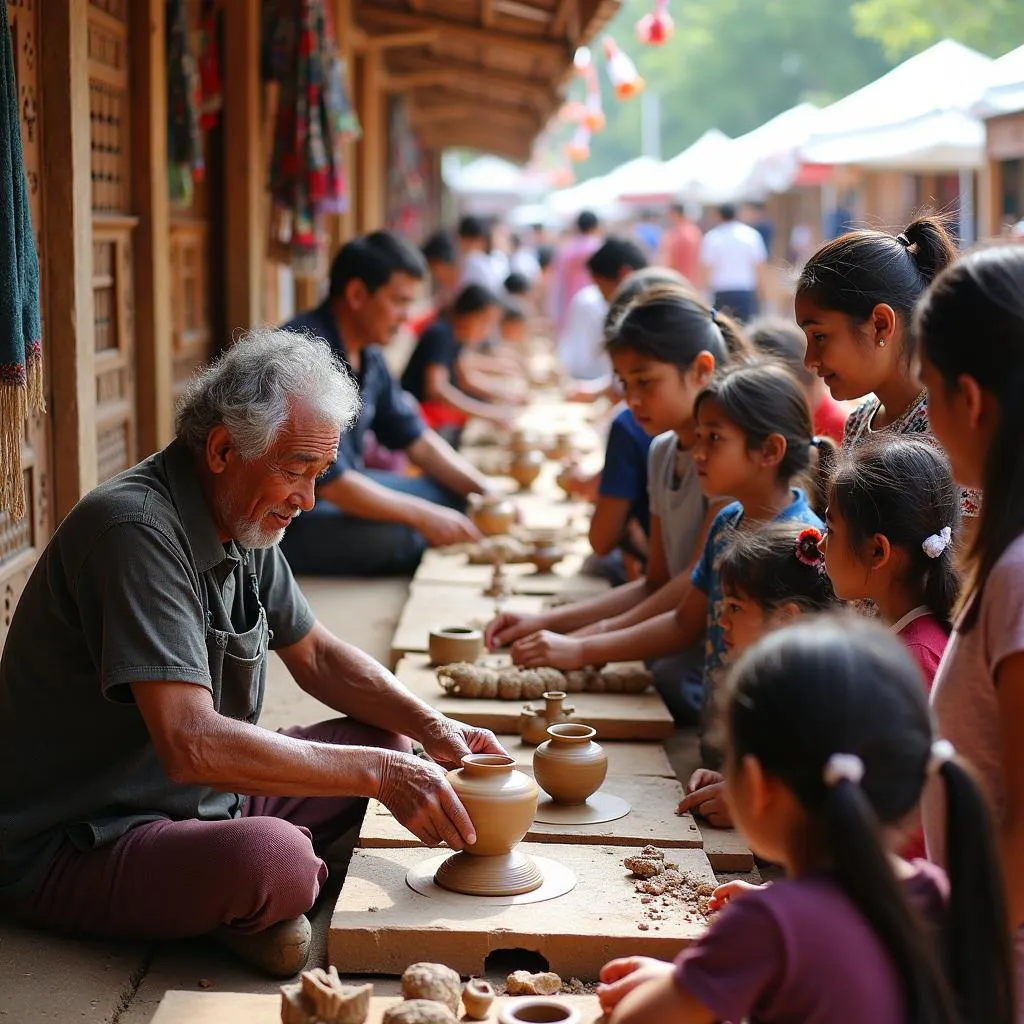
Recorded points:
(569, 766)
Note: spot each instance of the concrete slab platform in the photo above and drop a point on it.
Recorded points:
(435, 604)
(380, 925)
(453, 569)
(725, 848)
(652, 819)
(246, 1008)
(615, 716)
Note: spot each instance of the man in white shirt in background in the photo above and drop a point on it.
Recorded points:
(580, 348)
(733, 259)
(476, 265)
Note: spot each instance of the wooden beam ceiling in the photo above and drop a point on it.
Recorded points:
(534, 90)
(473, 35)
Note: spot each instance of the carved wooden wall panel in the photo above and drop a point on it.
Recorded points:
(21, 542)
(113, 224)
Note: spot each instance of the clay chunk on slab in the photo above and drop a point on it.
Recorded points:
(432, 981)
(650, 861)
(523, 983)
(419, 1011)
(319, 997)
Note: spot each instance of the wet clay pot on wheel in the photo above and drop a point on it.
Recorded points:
(569, 766)
(525, 468)
(450, 644)
(500, 802)
(492, 514)
(537, 1011)
(534, 723)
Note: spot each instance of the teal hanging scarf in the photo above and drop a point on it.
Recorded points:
(21, 362)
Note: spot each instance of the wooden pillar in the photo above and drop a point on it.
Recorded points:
(154, 385)
(67, 244)
(373, 146)
(245, 229)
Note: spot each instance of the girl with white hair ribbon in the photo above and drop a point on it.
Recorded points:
(830, 745)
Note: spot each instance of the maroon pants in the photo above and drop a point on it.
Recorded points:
(174, 879)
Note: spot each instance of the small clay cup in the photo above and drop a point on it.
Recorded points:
(449, 644)
(525, 468)
(501, 802)
(537, 1010)
(493, 515)
(569, 766)
(561, 448)
(565, 478)
(522, 441)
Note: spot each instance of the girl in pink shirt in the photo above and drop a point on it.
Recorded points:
(892, 518)
(829, 742)
(970, 335)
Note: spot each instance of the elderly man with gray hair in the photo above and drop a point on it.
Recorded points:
(139, 797)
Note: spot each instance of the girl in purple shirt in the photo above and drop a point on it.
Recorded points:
(829, 741)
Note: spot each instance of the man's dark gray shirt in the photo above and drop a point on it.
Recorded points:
(134, 586)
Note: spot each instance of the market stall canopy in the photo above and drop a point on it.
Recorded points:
(667, 181)
(483, 75)
(915, 117)
(1004, 91)
(490, 175)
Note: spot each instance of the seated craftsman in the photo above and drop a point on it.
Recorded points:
(369, 522)
(139, 797)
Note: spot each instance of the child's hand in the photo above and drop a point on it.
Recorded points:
(729, 891)
(708, 802)
(703, 777)
(508, 627)
(548, 649)
(620, 977)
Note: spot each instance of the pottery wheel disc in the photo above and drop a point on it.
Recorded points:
(558, 880)
(598, 808)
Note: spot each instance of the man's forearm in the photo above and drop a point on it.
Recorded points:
(351, 682)
(236, 757)
(360, 496)
(440, 461)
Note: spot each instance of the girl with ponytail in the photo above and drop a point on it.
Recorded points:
(893, 516)
(829, 746)
(855, 302)
(970, 331)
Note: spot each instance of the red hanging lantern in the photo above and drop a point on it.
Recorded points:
(656, 28)
(622, 72)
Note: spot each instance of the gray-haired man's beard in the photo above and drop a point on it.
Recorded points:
(253, 534)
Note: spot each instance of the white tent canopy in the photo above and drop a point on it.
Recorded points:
(488, 175)
(1004, 93)
(671, 178)
(914, 117)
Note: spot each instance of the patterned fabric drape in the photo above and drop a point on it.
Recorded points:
(314, 117)
(21, 359)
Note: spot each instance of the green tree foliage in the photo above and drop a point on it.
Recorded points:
(733, 64)
(905, 27)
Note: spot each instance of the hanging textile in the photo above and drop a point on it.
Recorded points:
(21, 360)
(210, 87)
(314, 117)
(185, 163)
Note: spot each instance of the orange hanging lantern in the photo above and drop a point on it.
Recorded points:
(656, 28)
(577, 149)
(593, 118)
(622, 72)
